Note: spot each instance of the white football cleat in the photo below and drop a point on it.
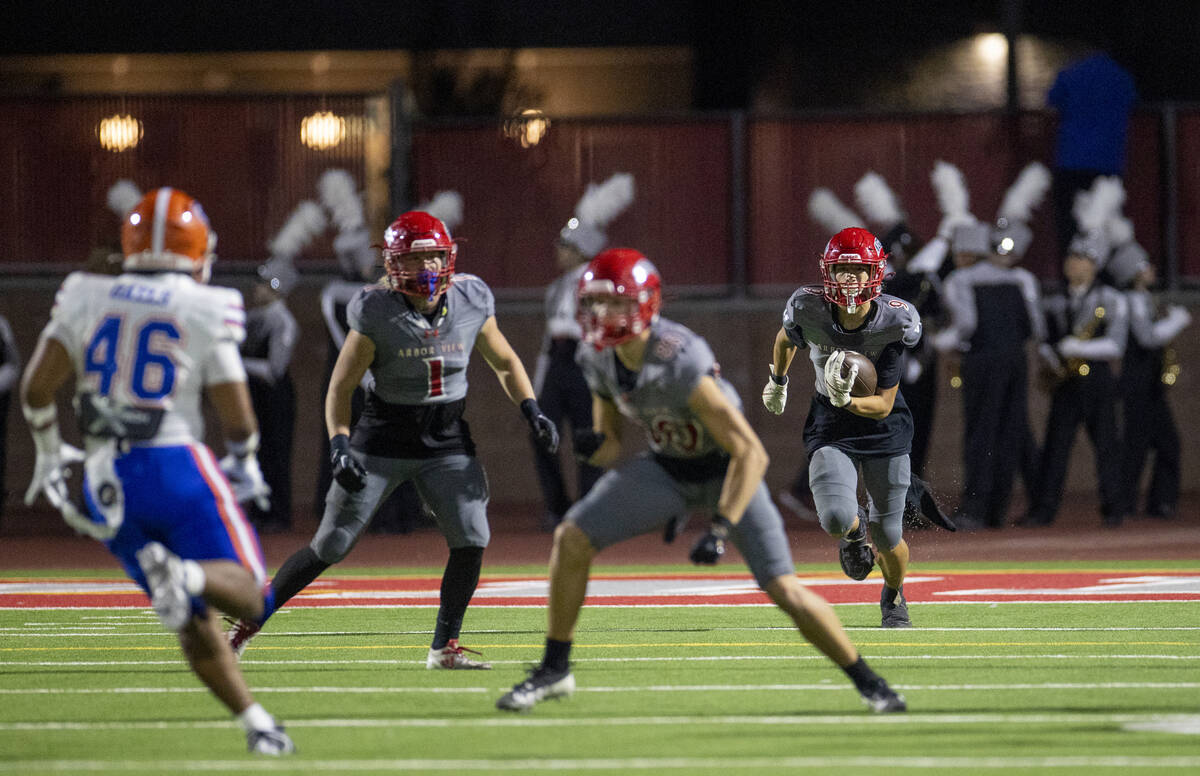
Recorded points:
(542, 684)
(164, 575)
(452, 656)
(270, 742)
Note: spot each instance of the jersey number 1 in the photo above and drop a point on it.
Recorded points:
(101, 357)
(435, 366)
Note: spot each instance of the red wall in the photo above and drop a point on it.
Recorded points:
(242, 157)
(516, 200)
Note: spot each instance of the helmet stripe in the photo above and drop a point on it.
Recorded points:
(162, 206)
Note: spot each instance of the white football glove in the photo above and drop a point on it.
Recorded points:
(246, 477)
(241, 468)
(774, 395)
(839, 387)
(50, 474)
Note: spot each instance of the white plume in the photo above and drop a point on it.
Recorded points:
(340, 196)
(602, 202)
(1026, 193)
(305, 223)
(446, 206)
(123, 196)
(827, 210)
(951, 188)
(1119, 230)
(877, 200)
(1096, 206)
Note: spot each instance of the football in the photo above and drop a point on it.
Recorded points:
(864, 383)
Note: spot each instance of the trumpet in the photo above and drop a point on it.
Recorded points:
(1170, 366)
(1051, 377)
(1079, 366)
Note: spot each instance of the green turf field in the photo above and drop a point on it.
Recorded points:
(1008, 688)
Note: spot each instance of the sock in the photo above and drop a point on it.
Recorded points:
(859, 534)
(557, 655)
(268, 604)
(193, 577)
(294, 575)
(890, 595)
(861, 674)
(255, 717)
(459, 581)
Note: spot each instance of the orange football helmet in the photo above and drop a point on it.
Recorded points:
(168, 230)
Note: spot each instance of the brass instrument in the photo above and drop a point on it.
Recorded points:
(1079, 366)
(1050, 378)
(1170, 366)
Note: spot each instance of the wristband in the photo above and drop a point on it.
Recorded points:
(721, 525)
(779, 379)
(530, 409)
(244, 448)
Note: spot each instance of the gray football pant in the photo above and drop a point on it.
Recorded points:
(641, 497)
(833, 479)
(454, 487)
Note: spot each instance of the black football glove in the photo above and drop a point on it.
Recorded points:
(586, 442)
(348, 472)
(544, 430)
(711, 546)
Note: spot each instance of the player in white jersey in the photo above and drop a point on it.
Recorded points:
(415, 331)
(703, 455)
(142, 348)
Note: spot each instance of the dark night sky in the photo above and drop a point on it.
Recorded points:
(1154, 38)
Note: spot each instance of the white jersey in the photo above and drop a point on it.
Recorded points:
(143, 347)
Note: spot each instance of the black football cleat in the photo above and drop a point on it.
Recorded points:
(883, 699)
(542, 684)
(895, 614)
(854, 552)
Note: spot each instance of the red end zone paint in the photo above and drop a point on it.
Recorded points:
(659, 589)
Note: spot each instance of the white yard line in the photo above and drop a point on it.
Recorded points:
(688, 658)
(653, 688)
(687, 764)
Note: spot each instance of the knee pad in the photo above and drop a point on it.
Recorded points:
(886, 535)
(333, 546)
(838, 519)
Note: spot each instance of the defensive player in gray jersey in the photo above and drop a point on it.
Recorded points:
(843, 432)
(415, 331)
(703, 455)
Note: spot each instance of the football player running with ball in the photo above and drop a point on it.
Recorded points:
(703, 455)
(847, 312)
(415, 330)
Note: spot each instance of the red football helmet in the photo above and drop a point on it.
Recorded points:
(418, 232)
(853, 246)
(168, 230)
(619, 295)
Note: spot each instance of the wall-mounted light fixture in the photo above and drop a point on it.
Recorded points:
(527, 127)
(322, 130)
(119, 132)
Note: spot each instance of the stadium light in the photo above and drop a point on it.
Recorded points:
(527, 127)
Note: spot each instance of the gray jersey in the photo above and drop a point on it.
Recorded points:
(418, 362)
(675, 361)
(809, 323)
